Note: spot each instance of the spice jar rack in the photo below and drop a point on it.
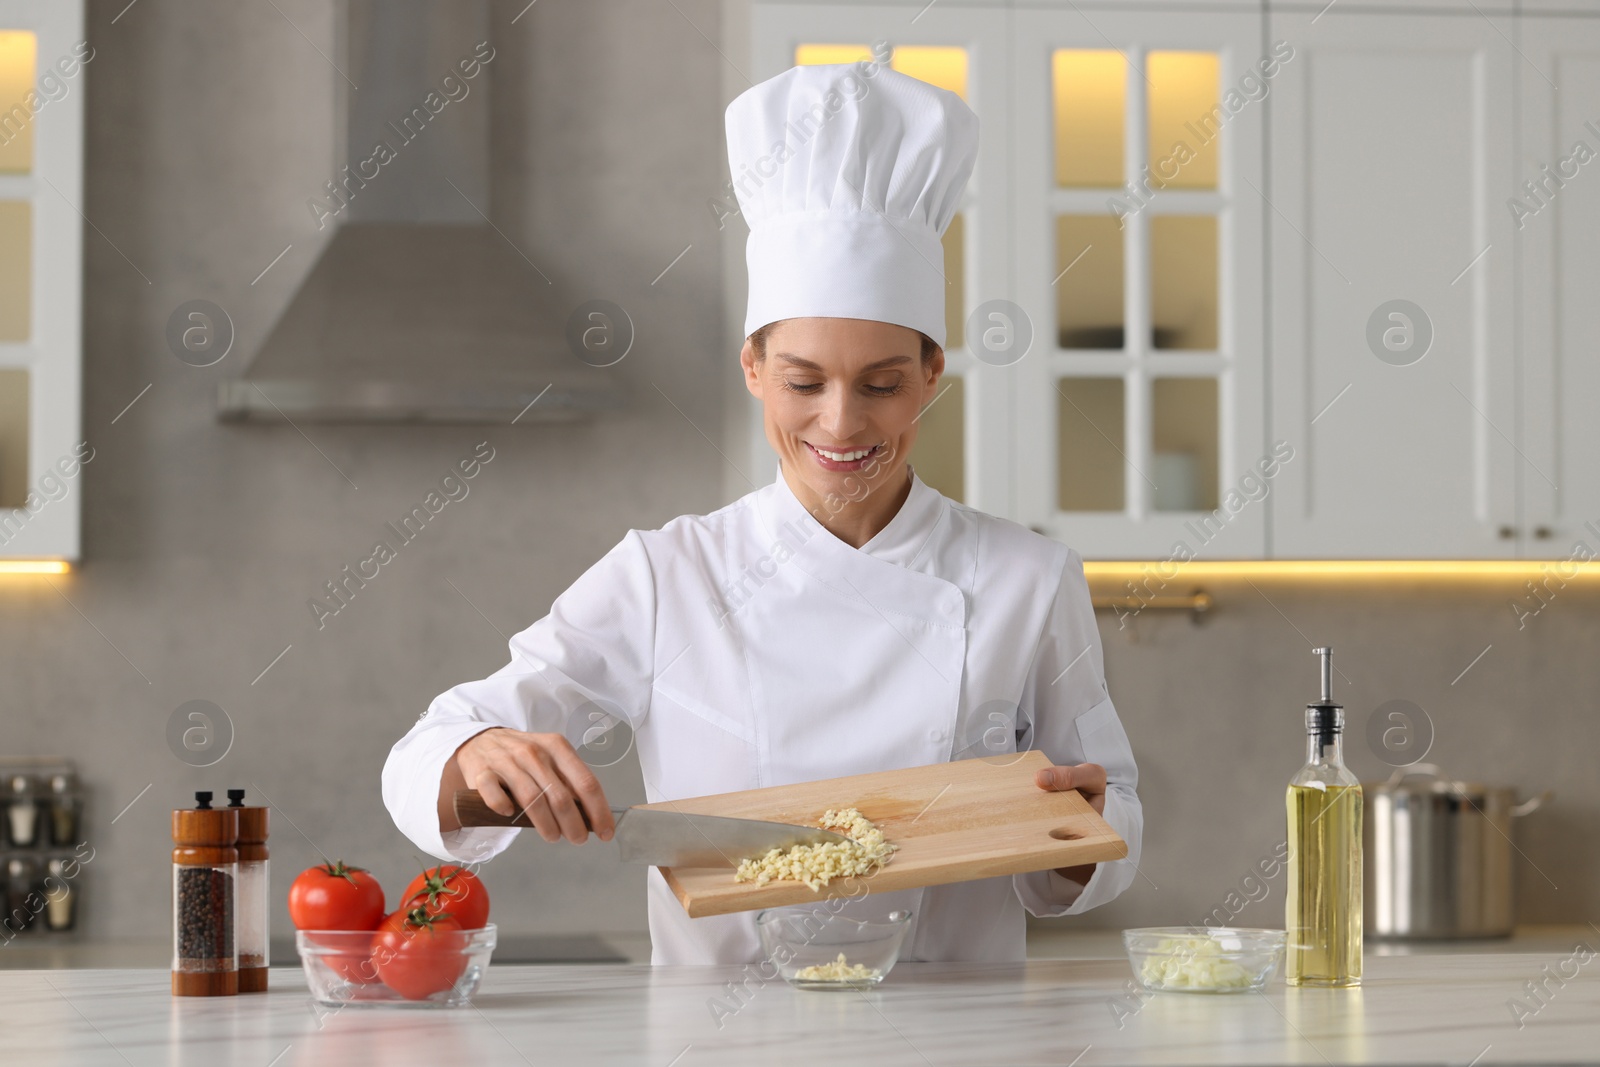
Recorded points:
(42, 846)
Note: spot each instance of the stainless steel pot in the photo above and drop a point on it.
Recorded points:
(1438, 855)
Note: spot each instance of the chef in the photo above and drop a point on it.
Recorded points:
(845, 618)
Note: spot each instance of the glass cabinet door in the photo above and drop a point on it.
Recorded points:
(18, 71)
(962, 435)
(42, 78)
(1136, 255)
(939, 454)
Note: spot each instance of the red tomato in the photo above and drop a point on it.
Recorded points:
(355, 967)
(333, 896)
(418, 954)
(347, 954)
(450, 890)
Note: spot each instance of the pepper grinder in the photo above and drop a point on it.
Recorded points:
(205, 869)
(254, 910)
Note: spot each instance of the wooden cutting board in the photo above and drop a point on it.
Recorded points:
(954, 822)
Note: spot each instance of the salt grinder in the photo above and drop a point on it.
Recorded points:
(253, 915)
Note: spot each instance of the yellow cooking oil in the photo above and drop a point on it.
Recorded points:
(1322, 910)
(1323, 919)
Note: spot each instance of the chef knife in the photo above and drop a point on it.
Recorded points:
(672, 838)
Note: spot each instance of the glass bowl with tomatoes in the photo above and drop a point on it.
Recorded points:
(428, 964)
(431, 951)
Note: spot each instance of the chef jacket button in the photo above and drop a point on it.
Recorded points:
(936, 735)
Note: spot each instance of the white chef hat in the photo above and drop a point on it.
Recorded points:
(848, 174)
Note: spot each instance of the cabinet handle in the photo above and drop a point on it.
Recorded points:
(1507, 533)
(1543, 533)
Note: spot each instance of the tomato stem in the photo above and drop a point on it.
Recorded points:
(339, 869)
(436, 883)
(422, 919)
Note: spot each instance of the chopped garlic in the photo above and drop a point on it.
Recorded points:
(816, 865)
(1192, 963)
(837, 971)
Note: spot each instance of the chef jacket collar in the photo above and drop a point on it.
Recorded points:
(900, 542)
(892, 571)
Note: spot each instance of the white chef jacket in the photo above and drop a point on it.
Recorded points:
(750, 647)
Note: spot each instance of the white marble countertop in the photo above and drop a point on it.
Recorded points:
(1450, 1008)
(1047, 940)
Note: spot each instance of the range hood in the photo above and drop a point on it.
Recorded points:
(418, 309)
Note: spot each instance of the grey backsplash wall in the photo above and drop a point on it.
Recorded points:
(1216, 716)
(208, 129)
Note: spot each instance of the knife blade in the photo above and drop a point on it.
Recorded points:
(671, 838)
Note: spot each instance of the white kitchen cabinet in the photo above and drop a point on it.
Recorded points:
(962, 49)
(1372, 303)
(1391, 150)
(44, 65)
(1554, 200)
(999, 420)
(1137, 252)
(1313, 8)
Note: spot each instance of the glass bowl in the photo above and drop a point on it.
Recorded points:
(1192, 959)
(814, 948)
(340, 969)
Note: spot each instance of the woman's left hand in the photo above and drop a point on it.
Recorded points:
(1088, 779)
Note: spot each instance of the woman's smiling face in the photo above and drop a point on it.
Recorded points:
(840, 400)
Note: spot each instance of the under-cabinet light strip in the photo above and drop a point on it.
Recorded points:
(1173, 570)
(34, 566)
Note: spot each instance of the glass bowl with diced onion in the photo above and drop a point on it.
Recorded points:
(1191, 959)
(815, 947)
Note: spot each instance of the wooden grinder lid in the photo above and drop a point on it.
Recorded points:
(252, 828)
(204, 830)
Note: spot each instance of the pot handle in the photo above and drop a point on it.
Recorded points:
(1430, 770)
(1532, 804)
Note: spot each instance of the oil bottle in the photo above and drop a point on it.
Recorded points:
(1322, 916)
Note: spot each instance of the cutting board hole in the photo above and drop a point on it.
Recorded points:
(1065, 833)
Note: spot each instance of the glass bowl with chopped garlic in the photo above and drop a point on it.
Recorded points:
(1190, 959)
(815, 947)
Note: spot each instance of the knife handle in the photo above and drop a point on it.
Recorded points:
(472, 811)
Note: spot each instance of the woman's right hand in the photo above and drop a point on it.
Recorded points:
(540, 774)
